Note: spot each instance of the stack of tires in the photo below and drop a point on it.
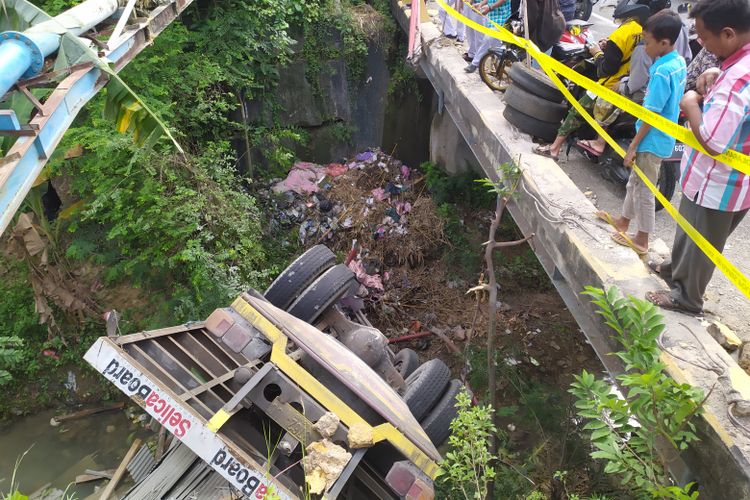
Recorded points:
(533, 103)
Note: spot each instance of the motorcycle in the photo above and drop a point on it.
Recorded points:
(623, 131)
(570, 50)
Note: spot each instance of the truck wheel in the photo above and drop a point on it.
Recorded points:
(437, 424)
(534, 81)
(532, 126)
(323, 293)
(406, 361)
(425, 386)
(299, 275)
(668, 175)
(534, 106)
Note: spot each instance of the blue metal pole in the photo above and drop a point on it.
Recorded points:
(22, 55)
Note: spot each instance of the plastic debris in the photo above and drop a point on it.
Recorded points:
(336, 169)
(303, 178)
(372, 198)
(370, 281)
(367, 156)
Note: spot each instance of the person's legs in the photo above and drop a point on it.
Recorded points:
(451, 25)
(473, 37)
(450, 22)
(691, 269)
(571, 123)
(622, 223)
(460, 27)
(599, 144)
(645, 203)
(681, 241)
(488, 43)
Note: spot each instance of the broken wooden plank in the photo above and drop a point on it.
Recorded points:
(94, 475)
(117, 476)
(85, 413)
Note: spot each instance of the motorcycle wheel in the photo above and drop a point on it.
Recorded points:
(493, 69)
(667, 183)
(584, 9)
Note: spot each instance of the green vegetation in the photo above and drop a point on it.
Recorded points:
(468, 468)
(655, 412)
(166, 237)
(551, 460)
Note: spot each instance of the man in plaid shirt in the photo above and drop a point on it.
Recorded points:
(497, 13)
(715, 196)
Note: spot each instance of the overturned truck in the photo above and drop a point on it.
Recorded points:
(288, 394)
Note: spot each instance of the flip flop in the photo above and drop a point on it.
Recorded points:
(545, 151)
(664, 299)
(587, 146)
(606, 217)
(623, 239)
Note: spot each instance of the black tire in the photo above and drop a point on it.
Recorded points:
(493, 69)
(534, 106)
(425, 386)
(525, 123)
(437, 423)
(584, 8)
(406, 361)
(323, 293)
(668, 175)
(535, 82)
(299, 275)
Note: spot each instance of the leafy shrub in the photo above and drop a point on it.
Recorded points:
(656, 410)
(469, 467)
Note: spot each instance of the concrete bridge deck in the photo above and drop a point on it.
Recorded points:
(576, 251)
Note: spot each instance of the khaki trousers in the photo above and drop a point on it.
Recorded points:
(640, 204)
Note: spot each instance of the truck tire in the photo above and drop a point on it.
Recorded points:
(532, 126)
(425, 386)
(299, 275)
(668, 175)
(534, 106)
(406, 361)
(437, 424)
(535, 82)
(324, 292)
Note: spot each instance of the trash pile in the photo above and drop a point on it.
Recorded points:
(372, 199)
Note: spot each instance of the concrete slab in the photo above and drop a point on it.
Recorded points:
(576, 251)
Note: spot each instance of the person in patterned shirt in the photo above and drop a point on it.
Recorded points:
(703, 61)
(497, 13)
(715, 197)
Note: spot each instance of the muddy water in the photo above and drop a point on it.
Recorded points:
(58, 454)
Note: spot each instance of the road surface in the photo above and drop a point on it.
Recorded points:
(724, 301)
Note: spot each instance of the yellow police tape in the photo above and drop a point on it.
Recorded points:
(551, 66)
